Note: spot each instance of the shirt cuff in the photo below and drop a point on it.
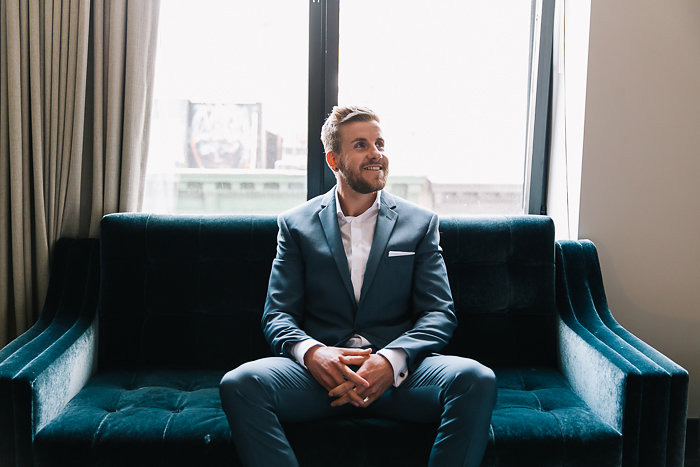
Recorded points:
(399, 363)
(299, 349)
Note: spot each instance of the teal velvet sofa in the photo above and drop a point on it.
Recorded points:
(123, 366)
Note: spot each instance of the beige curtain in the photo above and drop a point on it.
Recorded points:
(75, 95)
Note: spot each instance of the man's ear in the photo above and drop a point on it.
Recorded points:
(332, 160)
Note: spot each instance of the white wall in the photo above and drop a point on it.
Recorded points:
(640, 186)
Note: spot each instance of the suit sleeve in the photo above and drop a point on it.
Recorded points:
(284, 304)
(432, 304)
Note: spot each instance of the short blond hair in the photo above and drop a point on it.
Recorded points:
(330, 133)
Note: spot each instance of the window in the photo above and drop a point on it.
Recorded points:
(229, 115)
(242, 88)
(450, 82)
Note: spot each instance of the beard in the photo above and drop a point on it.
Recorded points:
(354, 179)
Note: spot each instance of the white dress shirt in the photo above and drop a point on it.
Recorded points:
(357, 233)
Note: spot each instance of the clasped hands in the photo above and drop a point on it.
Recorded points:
(329, 366)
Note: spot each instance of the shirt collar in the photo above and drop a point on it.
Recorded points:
(371, 211)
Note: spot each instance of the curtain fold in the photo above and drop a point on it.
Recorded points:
(75, 97)
(123, 83)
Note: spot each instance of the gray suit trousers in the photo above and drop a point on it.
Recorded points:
(457, 392)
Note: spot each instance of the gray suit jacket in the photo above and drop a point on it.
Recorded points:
(405, 302)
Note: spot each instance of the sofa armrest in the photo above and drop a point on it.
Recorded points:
(574, 274)
(43, 388)
(608, 384)
(63, 257)
(53, 359)
(677, 397)
(657, 435)
(603, 378)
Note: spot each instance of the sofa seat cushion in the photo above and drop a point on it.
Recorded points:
(538, 418)
(162, 417)
(149, 417)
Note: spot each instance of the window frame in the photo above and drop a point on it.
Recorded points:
(324, 23)
(539, 121)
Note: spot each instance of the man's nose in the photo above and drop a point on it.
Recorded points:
(376, 153)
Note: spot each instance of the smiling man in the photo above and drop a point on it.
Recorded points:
(357, 306)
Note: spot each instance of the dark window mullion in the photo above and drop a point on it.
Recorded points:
(323, 88)
(535, 189)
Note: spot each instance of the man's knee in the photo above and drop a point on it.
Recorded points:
(241, 384)
(474, 378)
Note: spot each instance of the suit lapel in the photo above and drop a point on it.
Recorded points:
(386, 219)
(329, 221)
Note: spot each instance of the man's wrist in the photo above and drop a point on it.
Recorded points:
(300, 349)
(399, 363)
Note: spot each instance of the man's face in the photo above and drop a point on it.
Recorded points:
(362, 164)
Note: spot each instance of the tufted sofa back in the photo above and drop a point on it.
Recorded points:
(501, 272)
(183, 291)
(188, 291)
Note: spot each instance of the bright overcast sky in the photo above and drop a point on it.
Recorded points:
(448, 78)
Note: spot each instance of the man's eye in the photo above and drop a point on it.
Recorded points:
(359, 145)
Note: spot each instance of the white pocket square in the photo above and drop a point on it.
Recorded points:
(401, 253)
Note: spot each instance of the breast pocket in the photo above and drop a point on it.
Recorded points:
(400, 261)
(398, 272)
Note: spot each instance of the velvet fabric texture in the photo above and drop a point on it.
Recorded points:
(501, 272)
(180, 303)
(46, 366)
(658, 395)
(185, 292)
(174, 417)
